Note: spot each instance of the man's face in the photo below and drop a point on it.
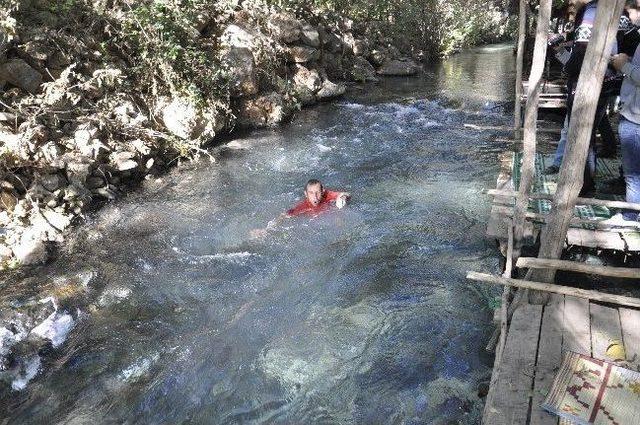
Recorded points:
(314, 193)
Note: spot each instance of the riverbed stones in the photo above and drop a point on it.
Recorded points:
(284, 27)
(399, 67)
(308, 78)
(18, 73)
(241, 65)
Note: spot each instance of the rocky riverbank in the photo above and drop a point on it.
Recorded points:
(79, 126)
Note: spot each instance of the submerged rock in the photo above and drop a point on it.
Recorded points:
(399, 67)
(330, 90)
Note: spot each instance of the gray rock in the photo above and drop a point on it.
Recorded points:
(310, 36)
(241, 64)
(105, 192)
(267, 110)
(330, 90)
(236, 36)
(284, 27)
(5, 252)
(378, 56)
(57, 219)
(95, 182)
(53, 182)
(397, 67)
(308, 78)
(20, 74)
(302, 54)
(183, 118)
(123, 160)
(362, 70)
(86, 141)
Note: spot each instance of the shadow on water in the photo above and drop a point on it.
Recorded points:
(361, 315)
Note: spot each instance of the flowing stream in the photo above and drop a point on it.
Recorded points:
(361, 315)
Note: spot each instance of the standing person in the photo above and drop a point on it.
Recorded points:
(629, 128)
(585, 19)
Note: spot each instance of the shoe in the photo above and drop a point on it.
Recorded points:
(618, 220)
(552, 169)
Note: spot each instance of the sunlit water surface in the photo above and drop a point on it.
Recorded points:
(361, 315)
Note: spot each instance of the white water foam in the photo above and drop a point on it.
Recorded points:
(27, 374)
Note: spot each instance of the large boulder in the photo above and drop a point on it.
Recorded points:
(20, 74)
(308, 78)
(330, 90)
(310, 36)
(361, 70)
(302, 54)
(284, 27)
(185, 119)
(236, 36)
(399, 67)
(263, 111)
(30, 249)
(378, 56)
(242, 71)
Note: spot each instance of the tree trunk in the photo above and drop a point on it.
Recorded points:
(519, 64)
(582, 115)
(530, 118)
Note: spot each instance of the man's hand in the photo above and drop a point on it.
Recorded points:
(342, 199)
(619, 60)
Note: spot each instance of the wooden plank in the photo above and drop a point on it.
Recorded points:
(631, 241)
(622, 272)
(595, 239)
(630, 323)
(605, 329)
(580, 201)
(512, 391)
(549, 359)
(556, 289)
(576, 332)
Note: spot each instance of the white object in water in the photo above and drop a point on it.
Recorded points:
(341, 201)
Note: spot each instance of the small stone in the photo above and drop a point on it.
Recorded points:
(58, 220)
(52, 182)
(123, 160)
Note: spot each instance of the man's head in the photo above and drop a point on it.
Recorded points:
(314, 192)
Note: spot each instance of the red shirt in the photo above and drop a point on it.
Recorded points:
(306, 207)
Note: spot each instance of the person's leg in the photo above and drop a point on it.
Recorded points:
(629, 133)
(608, 138)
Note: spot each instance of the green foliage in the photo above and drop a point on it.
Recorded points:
(169, 52)
(428, 27)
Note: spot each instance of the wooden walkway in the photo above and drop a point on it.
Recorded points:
(538, 335)
(620, 240)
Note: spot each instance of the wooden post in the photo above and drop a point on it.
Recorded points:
(522, 23)
(582, 115)
(530, 118)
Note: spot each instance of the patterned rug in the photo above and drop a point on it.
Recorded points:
(606, 169)
(590, 391)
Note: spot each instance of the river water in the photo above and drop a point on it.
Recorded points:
(361, 315)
